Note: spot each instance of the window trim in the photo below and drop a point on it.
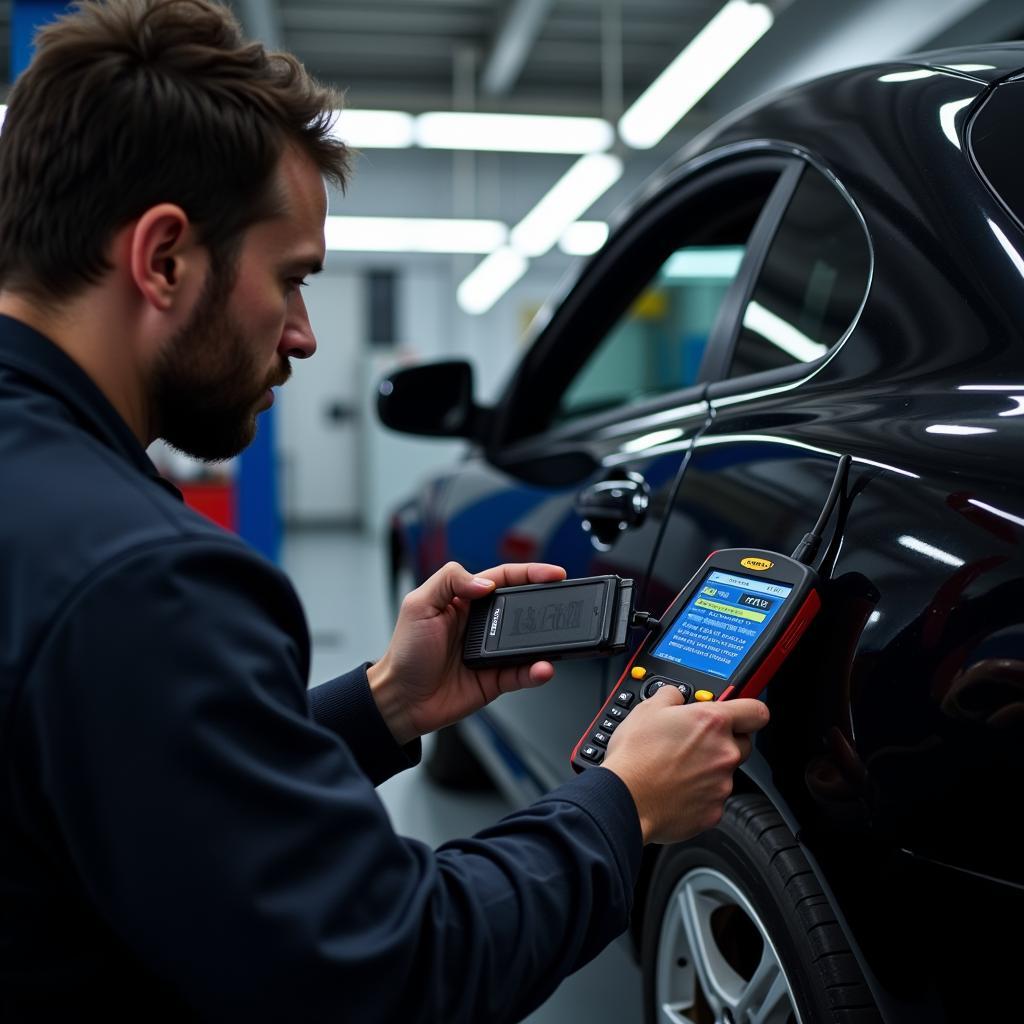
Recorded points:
(729, 390)
(723, 338)
(573, 301)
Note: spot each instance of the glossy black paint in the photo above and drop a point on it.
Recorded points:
(897, 736)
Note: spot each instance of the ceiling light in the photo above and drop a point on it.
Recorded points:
(374, 129)
(572, 195)
(711, 53)
(782, 334)
(513, 133)
(583, 238)
(413, 234)
(494, 275)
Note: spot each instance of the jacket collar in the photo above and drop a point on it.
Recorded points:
(34, 355)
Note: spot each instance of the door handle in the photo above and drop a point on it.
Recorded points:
(611, 506)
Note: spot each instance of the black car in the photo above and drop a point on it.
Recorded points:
(836, 270)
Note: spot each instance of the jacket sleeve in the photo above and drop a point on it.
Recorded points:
(346, 707)
(235, 846)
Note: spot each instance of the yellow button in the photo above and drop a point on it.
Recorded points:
(703, 695)
(638, 672)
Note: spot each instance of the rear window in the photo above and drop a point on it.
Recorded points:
(997, 142)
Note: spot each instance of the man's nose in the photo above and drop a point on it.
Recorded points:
(297, 338)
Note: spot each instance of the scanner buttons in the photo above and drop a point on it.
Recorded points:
(703, 695)
(656, 684)
(638, 672)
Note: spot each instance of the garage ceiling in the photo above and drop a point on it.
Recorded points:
(544, 56)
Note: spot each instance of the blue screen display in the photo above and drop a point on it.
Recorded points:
(720, 623)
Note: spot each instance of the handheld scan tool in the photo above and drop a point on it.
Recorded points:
(725, 634)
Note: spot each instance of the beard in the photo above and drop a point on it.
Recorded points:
(207, 385)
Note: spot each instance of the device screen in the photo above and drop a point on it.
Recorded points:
(571, 613)
(720, 623)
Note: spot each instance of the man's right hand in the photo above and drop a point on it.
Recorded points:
(678, 761)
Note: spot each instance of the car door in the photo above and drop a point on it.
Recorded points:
(588, 443)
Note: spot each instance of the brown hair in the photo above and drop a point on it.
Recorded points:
(131, 103)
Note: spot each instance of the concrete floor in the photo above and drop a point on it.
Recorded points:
(349, 626)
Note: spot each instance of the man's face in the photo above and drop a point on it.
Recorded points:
(215, 375)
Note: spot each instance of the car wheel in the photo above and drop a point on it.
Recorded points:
(738, 930)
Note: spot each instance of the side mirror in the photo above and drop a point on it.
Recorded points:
(434, 399)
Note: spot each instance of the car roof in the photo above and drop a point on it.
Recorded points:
(988, 63)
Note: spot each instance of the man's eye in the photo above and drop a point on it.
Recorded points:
(296, 282)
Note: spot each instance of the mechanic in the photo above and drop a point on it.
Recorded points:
(185, 830)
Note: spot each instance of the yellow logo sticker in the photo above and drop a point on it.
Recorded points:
(757, 564)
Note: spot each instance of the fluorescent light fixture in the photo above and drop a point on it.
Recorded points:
(374, 129)
(996, 511)
(513, 133)
(951, 428)
(908, 76)
(711, 53)
(584, 237)
(700, 262)
(947, 118)
(491, 278)
(990, 387)
(782, 334)
(413, 234)
(572, 195)
(930, 550)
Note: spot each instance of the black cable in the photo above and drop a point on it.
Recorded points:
(807, 549)
(676, 484)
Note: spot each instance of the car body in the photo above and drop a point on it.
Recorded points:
(848, 278)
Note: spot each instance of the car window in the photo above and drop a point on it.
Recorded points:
(658, 344)
(660, 330)
(811, 285)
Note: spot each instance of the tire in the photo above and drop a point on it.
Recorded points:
(737, 929)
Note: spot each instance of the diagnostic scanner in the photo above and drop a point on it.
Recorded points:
(725, 635)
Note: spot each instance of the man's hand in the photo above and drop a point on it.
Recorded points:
(678, 762)
(421, 683)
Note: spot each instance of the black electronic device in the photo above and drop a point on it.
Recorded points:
(725, 634)
(577, 618)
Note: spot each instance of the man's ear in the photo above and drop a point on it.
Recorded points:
(163, 255)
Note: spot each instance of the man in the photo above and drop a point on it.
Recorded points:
(184, 830)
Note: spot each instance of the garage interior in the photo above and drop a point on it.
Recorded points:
(431, 256)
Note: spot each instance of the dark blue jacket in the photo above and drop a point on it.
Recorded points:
(185, 830)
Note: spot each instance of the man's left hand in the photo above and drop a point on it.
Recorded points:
(421, 683)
